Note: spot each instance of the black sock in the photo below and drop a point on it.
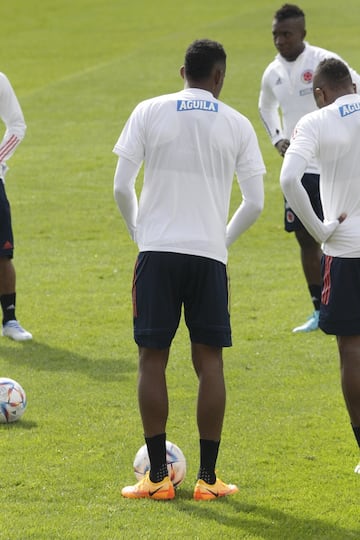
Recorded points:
(157, 455)
(208, 456)
(8, 306)
(356, 431)
(315, 293)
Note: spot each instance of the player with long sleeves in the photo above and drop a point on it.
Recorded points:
(192, 144)
(331, 135)
(12, 116)
(285, 96)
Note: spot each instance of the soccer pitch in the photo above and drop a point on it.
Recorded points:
(78, 68)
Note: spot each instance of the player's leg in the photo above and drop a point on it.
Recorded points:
(157, 310)
(152, 390)
(208, 365)
(349, 350)
(310, 256)
(7, 276)
(207, 317)
(310, 253)
(310, 250)
(340, 316)
(7, 269)
(153, 405)
(10, 326)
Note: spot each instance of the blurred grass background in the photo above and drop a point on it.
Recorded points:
(78, 69)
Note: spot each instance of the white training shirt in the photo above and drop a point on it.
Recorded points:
(191, 144)
(12, 116)
(331, 134)
(286, 92)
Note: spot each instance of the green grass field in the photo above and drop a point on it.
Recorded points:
(79, 67)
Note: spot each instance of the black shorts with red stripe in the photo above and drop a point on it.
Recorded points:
(164, 284)
(340, 298)
(310, 182)
(6, 233)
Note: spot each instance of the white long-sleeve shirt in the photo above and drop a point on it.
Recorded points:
(332, 135)
(286, 93)
(13, 118)
(192, 145)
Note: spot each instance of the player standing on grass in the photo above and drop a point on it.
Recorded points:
(12, 116)
(191, 144)
(331, 135)
(286, 86)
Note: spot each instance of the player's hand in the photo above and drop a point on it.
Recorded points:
(282, 145)
(330, 227)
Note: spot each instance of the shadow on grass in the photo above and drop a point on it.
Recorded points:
(24, 424)
(41, 357)
(260, 521)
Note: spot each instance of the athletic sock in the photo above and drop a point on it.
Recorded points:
(315, 293)
(157, 455)
(8, 307)
(208, 456)
(356, 430)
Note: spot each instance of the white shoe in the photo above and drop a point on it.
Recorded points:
(310, 325)
(357, 469)
(15, 331)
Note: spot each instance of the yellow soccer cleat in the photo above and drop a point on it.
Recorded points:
(146, 489)
(206, 492)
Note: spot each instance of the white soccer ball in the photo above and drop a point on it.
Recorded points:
(175, 459)
(12, 400)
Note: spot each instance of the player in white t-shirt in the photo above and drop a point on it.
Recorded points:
(331, 135)
(286, 88)
(191, 144)
(12, 116)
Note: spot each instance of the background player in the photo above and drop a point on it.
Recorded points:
(286, 87)
(332, 135)
(12, 116)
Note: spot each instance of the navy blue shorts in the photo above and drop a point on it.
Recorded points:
(340, 298)
(311, 184)
(6, 233)
(163, 283)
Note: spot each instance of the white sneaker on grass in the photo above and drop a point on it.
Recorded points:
(357, 469)
(14, 330)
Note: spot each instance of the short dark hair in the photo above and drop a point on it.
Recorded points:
(200, 58)
(334, 73)
(289, 11)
